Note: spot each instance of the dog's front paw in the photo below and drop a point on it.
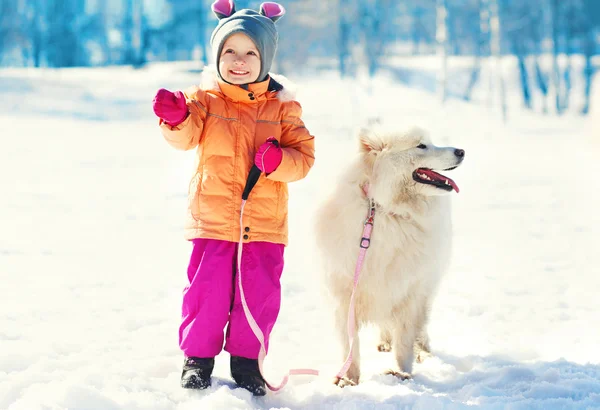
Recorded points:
(343, 382)
(384, 347)
(400, 375)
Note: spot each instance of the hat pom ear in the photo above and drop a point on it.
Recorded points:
(223, 8)
(274, 11)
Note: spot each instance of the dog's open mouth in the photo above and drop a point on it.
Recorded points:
(430, 177)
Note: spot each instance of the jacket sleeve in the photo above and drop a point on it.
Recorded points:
(186, 135)
(297, 145)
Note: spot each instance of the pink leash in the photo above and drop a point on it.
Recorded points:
(365, 242)
(254, 326)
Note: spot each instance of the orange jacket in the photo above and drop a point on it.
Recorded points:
(226, 125)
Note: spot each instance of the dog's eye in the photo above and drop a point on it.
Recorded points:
(422, 146)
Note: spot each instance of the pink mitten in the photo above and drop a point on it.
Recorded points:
(269, 155)
(171, 107)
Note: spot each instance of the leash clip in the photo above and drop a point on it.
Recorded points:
(365, 241)
(371, 216)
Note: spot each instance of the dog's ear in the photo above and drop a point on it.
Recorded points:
(370, 142)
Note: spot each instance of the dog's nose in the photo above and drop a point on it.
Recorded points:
(459, 152)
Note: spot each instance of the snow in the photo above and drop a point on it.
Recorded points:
(92, 259)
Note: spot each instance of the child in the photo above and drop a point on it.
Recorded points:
(244, 117)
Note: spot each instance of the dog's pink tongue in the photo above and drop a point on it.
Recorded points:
(447, 180)
(453, 184)
(439, 177)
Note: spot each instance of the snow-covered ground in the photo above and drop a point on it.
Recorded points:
(92, 260)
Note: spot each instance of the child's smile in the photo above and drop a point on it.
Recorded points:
(239, 73)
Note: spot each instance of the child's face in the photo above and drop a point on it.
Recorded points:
(239, 61)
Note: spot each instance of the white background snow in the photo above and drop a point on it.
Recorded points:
(93, 262)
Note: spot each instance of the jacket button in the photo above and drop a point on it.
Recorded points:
(245, 236)
(247, 229)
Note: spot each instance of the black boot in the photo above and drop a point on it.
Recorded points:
(196, 372)
(246, 374)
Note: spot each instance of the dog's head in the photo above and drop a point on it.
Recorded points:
(402, 166)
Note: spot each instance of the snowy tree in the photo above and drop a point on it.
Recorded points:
(482, 37)
(35, 28)
(422, 25)
(553, 22)
(590, 12)
(186, 35)
(345, 12)
(11, 36)
(374, 22)
(310, 35)
(496, 52)
(442, 41)
(133, 33)
(100, 29)
(62, 46)
(519, 19)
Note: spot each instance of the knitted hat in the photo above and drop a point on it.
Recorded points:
(259, 26)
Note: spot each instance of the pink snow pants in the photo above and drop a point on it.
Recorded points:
(212, 299)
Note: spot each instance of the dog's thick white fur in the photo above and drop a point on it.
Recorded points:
(410, 244)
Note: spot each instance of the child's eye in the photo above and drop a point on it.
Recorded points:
(228, 51)
(251, 53)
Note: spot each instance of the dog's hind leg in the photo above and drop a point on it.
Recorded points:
(422, 350)
(385, 342)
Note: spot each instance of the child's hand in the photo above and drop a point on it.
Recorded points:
(269, 155)
(171, 107)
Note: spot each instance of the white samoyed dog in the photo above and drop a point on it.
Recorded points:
(409, 248)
